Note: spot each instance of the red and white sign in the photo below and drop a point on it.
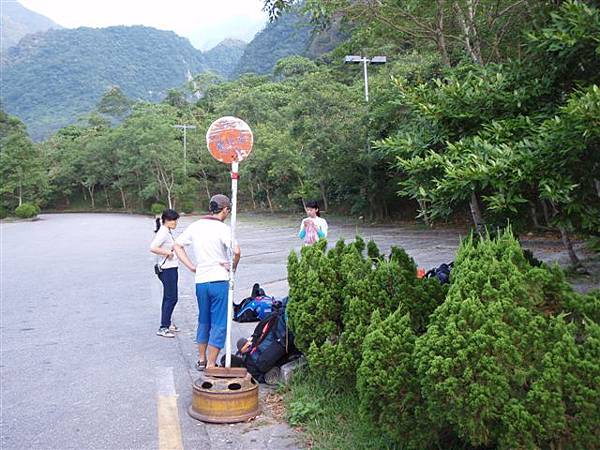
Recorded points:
(229, 139)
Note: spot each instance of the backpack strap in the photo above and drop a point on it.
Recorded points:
(262, 329)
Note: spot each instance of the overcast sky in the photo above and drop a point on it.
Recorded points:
(204, 22)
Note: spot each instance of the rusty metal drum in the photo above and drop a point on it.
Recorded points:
(224, 400)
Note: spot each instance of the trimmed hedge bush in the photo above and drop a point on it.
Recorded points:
(27, 211)
(334, 293)
(510, 359)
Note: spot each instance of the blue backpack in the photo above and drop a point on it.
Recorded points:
(254, 308)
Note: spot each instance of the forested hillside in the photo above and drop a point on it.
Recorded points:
(18, 21)
(51, 79)
(224, 57)
(290, 35)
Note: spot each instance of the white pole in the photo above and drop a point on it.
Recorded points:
(185, 150)
(365, 60)
(234, 185)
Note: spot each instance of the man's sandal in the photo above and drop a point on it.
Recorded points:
(200, 366)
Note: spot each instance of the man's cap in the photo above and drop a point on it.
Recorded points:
(218, 202)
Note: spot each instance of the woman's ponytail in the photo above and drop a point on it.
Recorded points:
(157, 224)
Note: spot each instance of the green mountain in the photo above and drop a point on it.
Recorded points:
(18, 21)
(225, 56)
(291, 34)
(51, 78)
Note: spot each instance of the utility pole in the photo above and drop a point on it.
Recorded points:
(354, 59)
(185, 128)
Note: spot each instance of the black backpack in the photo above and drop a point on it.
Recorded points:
(442, 273)
(272, 345)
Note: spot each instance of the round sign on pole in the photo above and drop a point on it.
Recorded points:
(229, 139)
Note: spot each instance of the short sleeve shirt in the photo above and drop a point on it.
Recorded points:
(164, 239)
(211, 242)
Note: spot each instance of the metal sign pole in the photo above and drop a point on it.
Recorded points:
(230, 141)
(234, 186)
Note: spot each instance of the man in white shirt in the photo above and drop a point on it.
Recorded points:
(210, 238)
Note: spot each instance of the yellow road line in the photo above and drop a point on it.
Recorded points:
(169, 428)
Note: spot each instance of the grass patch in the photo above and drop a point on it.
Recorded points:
(330, 419)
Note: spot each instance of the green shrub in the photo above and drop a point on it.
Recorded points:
(388, 385)
(510, 359)
(493, 361)
(3, 212)
(187, 206)
(333, 295)
(27, 211)
(157, 208)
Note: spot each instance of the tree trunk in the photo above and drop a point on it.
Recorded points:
(107, 198)
(566, 240)
(545, 211)
(440, 39)
(91, 191)
(123, 197)
(252, 195)
(469, 30)
(597, 184)
(324, 196)
(533, 213)
(423, 207)
(476, 213)
(205, 177)
(269, 199)
(20, 193)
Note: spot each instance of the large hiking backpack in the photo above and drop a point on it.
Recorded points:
(442, 273)
(254, 308)
(272, 345)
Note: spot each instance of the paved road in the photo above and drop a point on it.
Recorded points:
(81, 366)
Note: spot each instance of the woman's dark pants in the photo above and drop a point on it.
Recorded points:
(168, 277)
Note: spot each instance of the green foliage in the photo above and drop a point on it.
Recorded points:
(334, 294)
(22, 166)
(3, 212)
(329, 419)
(508, 360)
(27, 211)
(157, 208)
(491, 362)
(388, 385)
(509, 137)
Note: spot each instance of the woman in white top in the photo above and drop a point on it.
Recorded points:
(162, 245)
(313, 227)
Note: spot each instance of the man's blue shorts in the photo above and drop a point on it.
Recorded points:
(212, 312)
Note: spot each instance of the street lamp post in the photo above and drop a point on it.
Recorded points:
(185, 128)
(354, 59)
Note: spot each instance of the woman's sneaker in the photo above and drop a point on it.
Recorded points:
(165, 332)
